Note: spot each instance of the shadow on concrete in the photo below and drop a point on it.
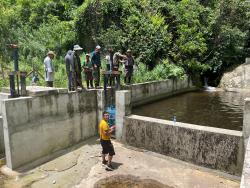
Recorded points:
(116, 165)
(90, 142)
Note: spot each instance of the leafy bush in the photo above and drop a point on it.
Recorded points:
(201, 37)
(162, 71)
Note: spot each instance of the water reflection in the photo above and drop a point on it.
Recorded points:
(216, 109)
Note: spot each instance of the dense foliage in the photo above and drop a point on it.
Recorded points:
(168, 38)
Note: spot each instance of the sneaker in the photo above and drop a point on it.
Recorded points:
(109, 168)
(104, 162)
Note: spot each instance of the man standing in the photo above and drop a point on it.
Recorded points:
(118, 58)
(109, 58)
(77, 77)
(129, 63)
(49, 69)
(88, 69)
(96, 62)
(105, 136)
(109, 64)
(69, 68)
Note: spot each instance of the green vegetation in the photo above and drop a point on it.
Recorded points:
(168, 38)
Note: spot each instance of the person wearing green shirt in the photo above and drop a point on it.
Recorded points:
(88, 71)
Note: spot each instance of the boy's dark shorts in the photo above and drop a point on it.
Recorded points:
(107, 147)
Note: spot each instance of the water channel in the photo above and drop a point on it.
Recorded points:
(207, 108)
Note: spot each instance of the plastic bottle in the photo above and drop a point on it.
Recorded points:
(174, 120)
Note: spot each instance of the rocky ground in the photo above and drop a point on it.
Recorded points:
(80, 167)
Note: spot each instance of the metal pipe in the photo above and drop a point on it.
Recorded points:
(23, 83)
(15, 57)
(12, 85)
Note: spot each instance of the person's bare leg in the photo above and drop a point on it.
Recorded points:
(103, 157)
(109, 159)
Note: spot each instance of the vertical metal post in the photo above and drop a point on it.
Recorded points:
(16, 67)
(118, 85)
(23, 83)
(17, 83)
(15, 57)
(12, 84)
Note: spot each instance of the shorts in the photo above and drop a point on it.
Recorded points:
(107, 147)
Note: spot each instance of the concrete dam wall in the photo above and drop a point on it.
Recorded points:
(51, 120)
(205, 146)
(214, 148)
(150, 91)
(35, 127)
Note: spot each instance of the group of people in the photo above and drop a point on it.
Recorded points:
(90, 66)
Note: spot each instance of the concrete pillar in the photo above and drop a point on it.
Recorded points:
(1, 137)
(248, 60)
(245, 177)
(246, 121)
(123, 108)
(100, 105)
(2, 97)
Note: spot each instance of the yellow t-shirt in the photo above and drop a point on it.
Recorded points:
(103, 126)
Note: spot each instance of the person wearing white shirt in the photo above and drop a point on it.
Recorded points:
(109, 60)
(49, 68)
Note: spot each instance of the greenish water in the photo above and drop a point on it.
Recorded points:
(207, 108)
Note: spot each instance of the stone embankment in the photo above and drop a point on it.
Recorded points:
(238, 78)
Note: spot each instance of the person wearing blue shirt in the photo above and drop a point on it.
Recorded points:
(69, 60)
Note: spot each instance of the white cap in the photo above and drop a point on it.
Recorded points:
(77, 47)
(98, 47)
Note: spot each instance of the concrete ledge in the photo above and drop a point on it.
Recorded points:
(206, 146)
(150, 99)
(237, 90)
(143, 93)
(39, 91)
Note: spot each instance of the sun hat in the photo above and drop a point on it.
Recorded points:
(77, 47)
(98, 47)
(51, 53)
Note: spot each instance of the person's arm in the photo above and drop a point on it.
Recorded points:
(100, 61)
(107, 57)
(123, 60)
(109, 131)
(133, 59)
(67, 62)
(93, 59)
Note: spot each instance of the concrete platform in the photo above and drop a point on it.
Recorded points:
(80, 167)
(40, 90)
